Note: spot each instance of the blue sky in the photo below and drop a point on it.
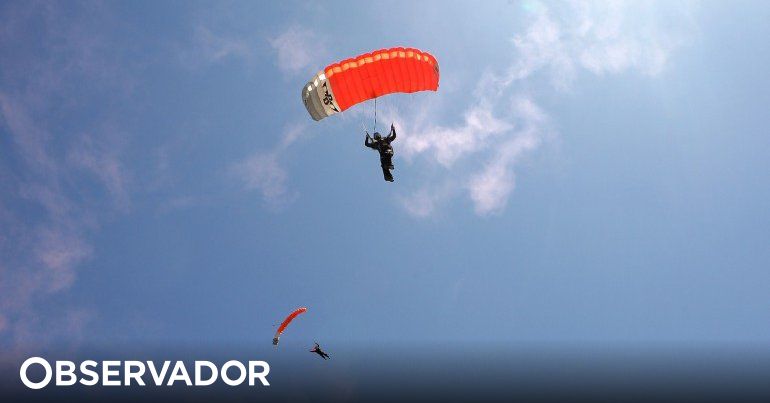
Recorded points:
(588, 172)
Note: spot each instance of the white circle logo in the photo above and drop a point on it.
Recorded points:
(46, 379)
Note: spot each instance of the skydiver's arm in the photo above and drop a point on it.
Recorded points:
(392, 135)
(368, 140)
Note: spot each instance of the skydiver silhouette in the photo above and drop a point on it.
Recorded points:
(382, 145)
(317, 350)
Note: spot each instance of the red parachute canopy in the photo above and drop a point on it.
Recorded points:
(286, 322)
(342, 85)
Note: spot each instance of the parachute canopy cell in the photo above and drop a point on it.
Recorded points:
(286, 322)
(351, 81)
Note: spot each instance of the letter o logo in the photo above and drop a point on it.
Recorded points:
(227, 379)
(46, 379)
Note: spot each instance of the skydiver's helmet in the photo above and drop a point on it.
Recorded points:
(377, 136)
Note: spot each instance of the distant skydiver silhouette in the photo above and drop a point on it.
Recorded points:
(317, 350)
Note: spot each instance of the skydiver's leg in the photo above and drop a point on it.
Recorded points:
(386, 173)
(387, 165)
(388, 160)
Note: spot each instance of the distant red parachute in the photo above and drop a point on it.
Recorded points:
(344, 84)
(286, 322)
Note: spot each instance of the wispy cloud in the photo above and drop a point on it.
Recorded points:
(601, 37)
(298, 50)
(59, 250)
(263, 171)
(29, 138)
(478, 155)
(213, 46)
(426, 201)
(502, 125)
(102, 160)
(447, 144)
(50, 209)
(489, 188)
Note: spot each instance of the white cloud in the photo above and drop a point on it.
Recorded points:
(60, 251)
(426, 201)
(29, 138)
(43, 251)
(602, 37)
(299, 50)
(447, 144)
(500, 126)
(216, 46)
(214, 42)
(263, 171)
(48, 208)
(101, 159)
(490, 188)
(420, 204)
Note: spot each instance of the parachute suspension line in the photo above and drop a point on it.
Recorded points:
(374, 129)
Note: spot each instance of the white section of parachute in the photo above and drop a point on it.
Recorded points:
(318, 97)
